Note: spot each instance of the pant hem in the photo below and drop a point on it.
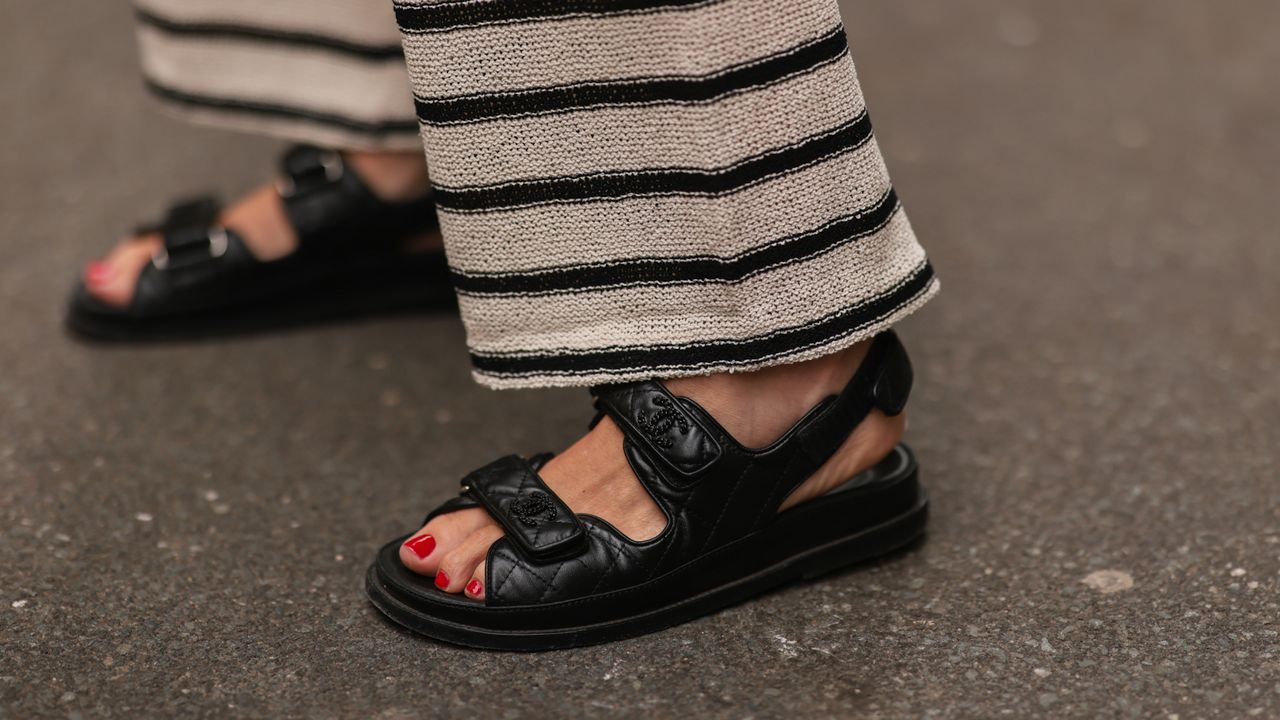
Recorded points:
(289, 129)
(833, 344)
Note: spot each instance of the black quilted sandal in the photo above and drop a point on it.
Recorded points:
(350, 262)
(559, 580)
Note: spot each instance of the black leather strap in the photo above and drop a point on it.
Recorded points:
(535, 519)
(465, 501)
(331, 207)
(658, 421)
(882, 382)
(192, 235)
(306, 168)
(321, 197)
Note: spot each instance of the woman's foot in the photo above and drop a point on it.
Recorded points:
(259, 218)
(593, 477)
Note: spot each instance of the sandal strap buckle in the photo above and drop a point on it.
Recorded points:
(307, 167)
(188, 246)
(192, 234)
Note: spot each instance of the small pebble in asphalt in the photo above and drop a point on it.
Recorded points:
(1109, 581)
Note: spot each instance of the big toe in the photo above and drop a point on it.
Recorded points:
(424, 551)
(113, 278)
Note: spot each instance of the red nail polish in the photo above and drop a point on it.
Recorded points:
(98, 271)
(474, 587)
(442, 580)
(422, 545)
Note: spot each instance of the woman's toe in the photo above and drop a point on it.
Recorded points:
(112, 279)
(475, 586)
(457, 568)
(425, 550)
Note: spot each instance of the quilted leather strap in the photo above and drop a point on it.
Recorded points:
(535, 519)
(653, 418)
(465, 501)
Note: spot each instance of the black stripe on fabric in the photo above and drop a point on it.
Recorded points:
(271, 35)
(369, 127)
(762, 72)
(719, 353)
(445, 16)
(683, 270)
(668, 181)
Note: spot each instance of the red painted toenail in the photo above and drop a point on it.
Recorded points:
(422, 545)
(98, 271)
(474, 587)
(442, 580)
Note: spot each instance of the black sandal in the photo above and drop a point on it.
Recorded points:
(560, 580)
(350, 262)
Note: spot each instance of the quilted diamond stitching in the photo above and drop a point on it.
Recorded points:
(723, 509)
(786, 472)
(528, 572)
(511, 568)
(615, 549)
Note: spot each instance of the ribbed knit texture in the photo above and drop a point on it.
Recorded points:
(329, 72)
(655, 188)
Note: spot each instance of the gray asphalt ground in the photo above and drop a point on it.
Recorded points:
(184, 529)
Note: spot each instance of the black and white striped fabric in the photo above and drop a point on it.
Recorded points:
(329, 72)
(641, 188)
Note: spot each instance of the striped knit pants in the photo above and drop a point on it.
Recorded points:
(628, 188)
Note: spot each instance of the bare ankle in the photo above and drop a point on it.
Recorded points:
(392, 176)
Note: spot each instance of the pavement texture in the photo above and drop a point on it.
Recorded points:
(184, 529)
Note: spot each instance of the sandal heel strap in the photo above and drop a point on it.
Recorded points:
(883, 382)
(535, 519)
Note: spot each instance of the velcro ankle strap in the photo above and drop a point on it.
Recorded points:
(882, 382)
(538, 522)
(891, 374)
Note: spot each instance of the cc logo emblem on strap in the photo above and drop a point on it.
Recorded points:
(533, 509)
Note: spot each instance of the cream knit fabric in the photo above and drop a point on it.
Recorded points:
(329, 72)
(653, 188)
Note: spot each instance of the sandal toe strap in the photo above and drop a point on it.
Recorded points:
(192, 234)
(465, 501)
(536, 520)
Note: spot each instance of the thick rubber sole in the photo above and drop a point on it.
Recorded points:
(867, 544)
(411, 288)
